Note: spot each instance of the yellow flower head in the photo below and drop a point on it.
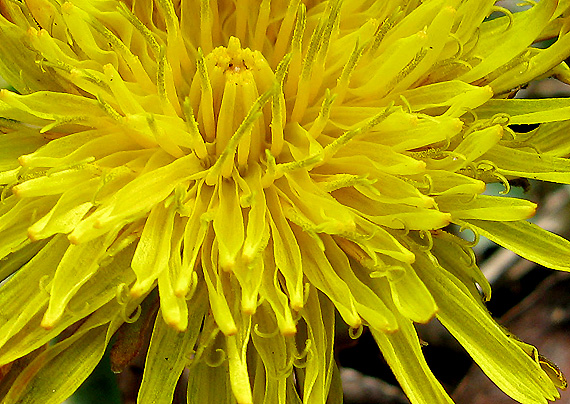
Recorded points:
(253, 167)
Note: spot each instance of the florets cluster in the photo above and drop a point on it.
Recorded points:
(262, 170)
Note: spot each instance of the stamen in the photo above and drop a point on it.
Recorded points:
(409, 67)
(507, 13)
(332, 20)
(405, 228)
(166, 95)
(132, 61)
(198, 146)
(324, 114)
(471, 259)
(122, 294)
(133, 317)
(318, 48)
(262, 334)
(330, 149)
(306, 354)
(224, 164)
(214, 362)
(206, 99)
(470, 244)
(169, 15)
(347, 71)
(109, 109)
(505, 183)
(207, 337)
(278, 107)
(139, 26)
(296, 52)
(304, 85)
(428, 184)
(426, 236)
(386, 26)
(406, 103)
(486, 166)
(62, 121)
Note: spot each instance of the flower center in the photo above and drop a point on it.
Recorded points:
(230, 92)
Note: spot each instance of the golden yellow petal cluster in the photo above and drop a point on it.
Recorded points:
(252, 167)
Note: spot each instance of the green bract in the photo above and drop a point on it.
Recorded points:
(261, 164)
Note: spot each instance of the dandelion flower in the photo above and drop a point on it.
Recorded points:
(233, 173)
